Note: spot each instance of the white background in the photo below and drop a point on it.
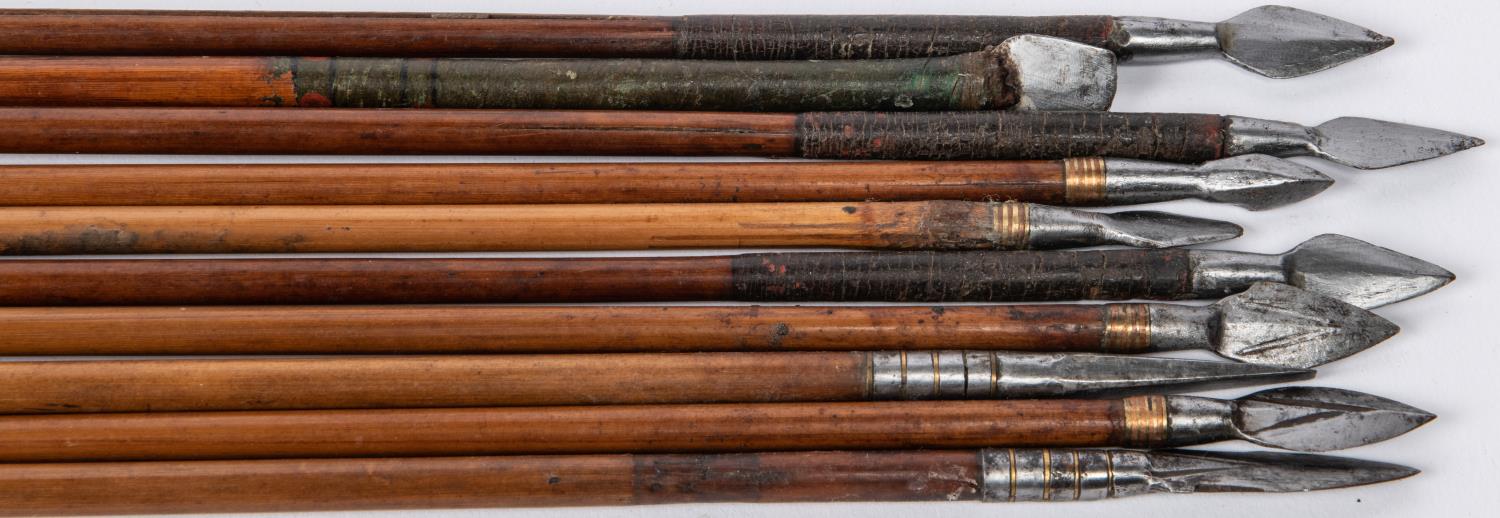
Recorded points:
(1441, 73)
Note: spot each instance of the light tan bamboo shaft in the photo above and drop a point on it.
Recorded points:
(464, 228)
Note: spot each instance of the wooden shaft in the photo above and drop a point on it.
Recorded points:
(970, 81)
(394, 132)
(473, 228)
(196, 33)
(961, 135)
(535, 430)
(124, 331)
(361, 281)
(912, 277)
(431, 382)
(474, 482)
(452, 184)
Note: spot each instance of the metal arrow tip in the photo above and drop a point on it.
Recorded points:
(1283, 42)
(1373, 144)
(1277, 324)
(1187, 471)
(1057, 227)
(1322, 419)
(1075, 375)
(1056, 74)
(1259, 182)
(1360, 273)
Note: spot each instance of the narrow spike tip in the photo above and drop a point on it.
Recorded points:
(1187, 471)
(1278, 324)
(1074, 375)
(1283, 42)
(1058, 227)
(1322, 419)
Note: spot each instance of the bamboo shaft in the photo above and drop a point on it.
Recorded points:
(528, 430)
(430, 382)
(452, 184)
(461, 482)
(470, 228)
(521, 329)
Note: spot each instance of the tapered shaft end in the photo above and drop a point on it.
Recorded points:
(1186, 471)
(1283, 42)
(1056, 74)
(1374, 144)
(1322, 419)
(1260, 182)
(1056, 227)
(1278, 324)
(1021, 375)
(1360, 273)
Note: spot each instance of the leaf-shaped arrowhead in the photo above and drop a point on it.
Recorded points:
(1277, 324)
(1322, 419)
(1360, 273)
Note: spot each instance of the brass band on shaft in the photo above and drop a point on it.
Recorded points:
(1083, 181)
(1127, 328)
(1011, 222)
(1145, 420)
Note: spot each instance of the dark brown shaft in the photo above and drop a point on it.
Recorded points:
(125, 331)
(453, 184)
(973, 135)
(831, 277)
(971, 81)
(464, 482)
(575, 429)
(431, 382)
(930, 225)
(197, 33)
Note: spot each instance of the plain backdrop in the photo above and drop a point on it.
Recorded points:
(1441, 73)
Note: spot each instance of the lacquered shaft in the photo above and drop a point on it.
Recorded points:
(430, 382)
(528, 430)
(447, 184)
(518, 329)
(196, 33)
(479, 228)
(477, 482)
(971, 81)
(963, 135)
(832, 277)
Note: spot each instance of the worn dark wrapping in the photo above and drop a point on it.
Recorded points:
(964, 276)
(967, 82)
(1169, 137)
(870, 37)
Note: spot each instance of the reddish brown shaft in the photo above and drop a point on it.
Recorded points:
(430, 382)
(442, 184)
(356, 281)
(395, 132)
(461, 482)
(533, 430)
(570, 329)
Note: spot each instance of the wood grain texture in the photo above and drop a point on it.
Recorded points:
(451, 184)
(536, 430)
(786, 277)
(737, 37)
(476, 482)
(939, 225)
(970, 81)
(156, 282)
(107, 331)
(430, 382)
(832, 135)
(393, 132)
